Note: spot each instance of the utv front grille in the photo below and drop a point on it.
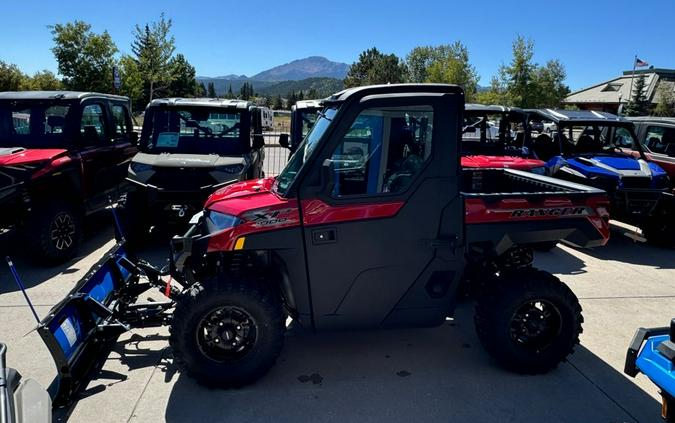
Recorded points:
(634, 182)
(185, 179)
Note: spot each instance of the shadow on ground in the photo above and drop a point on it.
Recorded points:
(98, 231)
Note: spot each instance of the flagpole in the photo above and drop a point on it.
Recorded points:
(630, 92)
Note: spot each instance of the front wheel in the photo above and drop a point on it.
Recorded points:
(227, 333)
(528, 321)
(54, 231)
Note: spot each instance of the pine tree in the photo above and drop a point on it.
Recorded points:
(278, 104)
(230, 94)
(639, 103)
(211, 90)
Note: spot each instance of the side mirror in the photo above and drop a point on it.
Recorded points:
(283, 140)
(133, 138)
(327, 175)
(258, 141)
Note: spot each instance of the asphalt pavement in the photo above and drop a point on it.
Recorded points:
(439, 374)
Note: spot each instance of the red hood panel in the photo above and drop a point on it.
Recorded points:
(511, 162)
(30, 156)
(252, 188)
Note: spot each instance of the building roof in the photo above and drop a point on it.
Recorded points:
(209, 102)
(51, 95)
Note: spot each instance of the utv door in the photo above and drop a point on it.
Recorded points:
(382, 215)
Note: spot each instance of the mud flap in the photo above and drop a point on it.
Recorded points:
(81, 330)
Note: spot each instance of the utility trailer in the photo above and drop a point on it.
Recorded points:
(356, 232)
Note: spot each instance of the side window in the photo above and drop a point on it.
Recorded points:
(655, 139)
(383, 151)
(623, 138)
(92, 126)
(119, 117)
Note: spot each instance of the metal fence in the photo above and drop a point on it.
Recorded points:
(276, 156)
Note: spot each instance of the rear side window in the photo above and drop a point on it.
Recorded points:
(121, 125)
(92, 125)
(658, 138)
(383, 151)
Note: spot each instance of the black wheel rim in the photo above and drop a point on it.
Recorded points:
(226, 334)
(62, 231)
(535, 325)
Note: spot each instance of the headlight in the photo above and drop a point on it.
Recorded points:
(139, 167)
(661, 181)
(216, 221)
(541, 170)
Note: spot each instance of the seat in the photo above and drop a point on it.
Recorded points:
(545, 148)
(586, 144)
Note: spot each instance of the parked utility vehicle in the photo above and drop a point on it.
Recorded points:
(356, 232)
(657, 138)
(652, 352)
(587, 148)
(303, 115)
(63, 155)
(21, 400)
(189, 148)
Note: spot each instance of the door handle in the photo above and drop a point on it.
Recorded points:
(324, 236)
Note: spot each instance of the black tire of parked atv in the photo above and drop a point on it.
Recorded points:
(544, 246)
(498, 311)
(134, 219)
(659, 233)
(200, 301)
(54, 232)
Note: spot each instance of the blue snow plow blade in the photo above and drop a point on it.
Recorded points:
(81, 330)
(657, 367)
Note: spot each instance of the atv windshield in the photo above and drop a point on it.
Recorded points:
(194, 130)
(35, 123)
(304, 151)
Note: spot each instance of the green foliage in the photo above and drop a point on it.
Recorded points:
(201, 90)
(184, 83)
(246, 92)
(278, 103)
(449, 64)
(639, 103)
(374, 67)
(153, 47)
(230, 94)
(314, 88)
(666, 104)
(211, 90)
(525, 84)
(43, 81)
(11, 77)
(85, 59)
(132, 82)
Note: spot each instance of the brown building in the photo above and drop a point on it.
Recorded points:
(613, 95)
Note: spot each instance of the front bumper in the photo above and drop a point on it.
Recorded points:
(652, 352)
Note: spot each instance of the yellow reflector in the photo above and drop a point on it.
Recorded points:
(239, 245)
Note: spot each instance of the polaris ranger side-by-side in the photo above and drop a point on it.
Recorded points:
(587, 147)
(62, 156)
(189, 148)
(304, 114)
(356, 232)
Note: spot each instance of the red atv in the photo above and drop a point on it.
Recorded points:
(62, 156)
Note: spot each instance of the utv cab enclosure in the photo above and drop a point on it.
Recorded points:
(497, 137)
(374, 224)
(303, 115)
(590, 148)
(189, 148)
(63, 155)
(657, 138)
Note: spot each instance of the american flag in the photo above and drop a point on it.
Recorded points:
(639, 63)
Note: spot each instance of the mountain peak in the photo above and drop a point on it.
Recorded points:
(309, 67)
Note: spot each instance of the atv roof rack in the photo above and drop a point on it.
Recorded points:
(580, 116)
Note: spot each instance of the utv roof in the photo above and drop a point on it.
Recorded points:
(572, 116)
(307, 104)
(493, 108)
(393, 89)
(653, 119)
(205, 102)
(56, 95)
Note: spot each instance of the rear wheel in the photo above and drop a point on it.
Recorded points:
(528, 321)
(227, 333)
(54, 231)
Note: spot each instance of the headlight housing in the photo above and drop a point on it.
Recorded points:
(216, 221)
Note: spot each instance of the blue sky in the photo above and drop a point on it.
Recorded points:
(595, 39)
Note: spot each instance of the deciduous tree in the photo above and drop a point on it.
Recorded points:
(374, 67)
(11, 77)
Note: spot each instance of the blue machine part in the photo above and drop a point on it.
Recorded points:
(656, 366)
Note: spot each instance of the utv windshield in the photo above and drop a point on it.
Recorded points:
(194, 130)
(593, 139)
(34, 124)
(286, 177)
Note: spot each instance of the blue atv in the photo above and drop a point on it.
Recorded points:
(652, 352)
(601, 150)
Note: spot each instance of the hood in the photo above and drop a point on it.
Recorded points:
(611, 165)
(246, 191)
(510, 162)
(19, 156)
(187, 160)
